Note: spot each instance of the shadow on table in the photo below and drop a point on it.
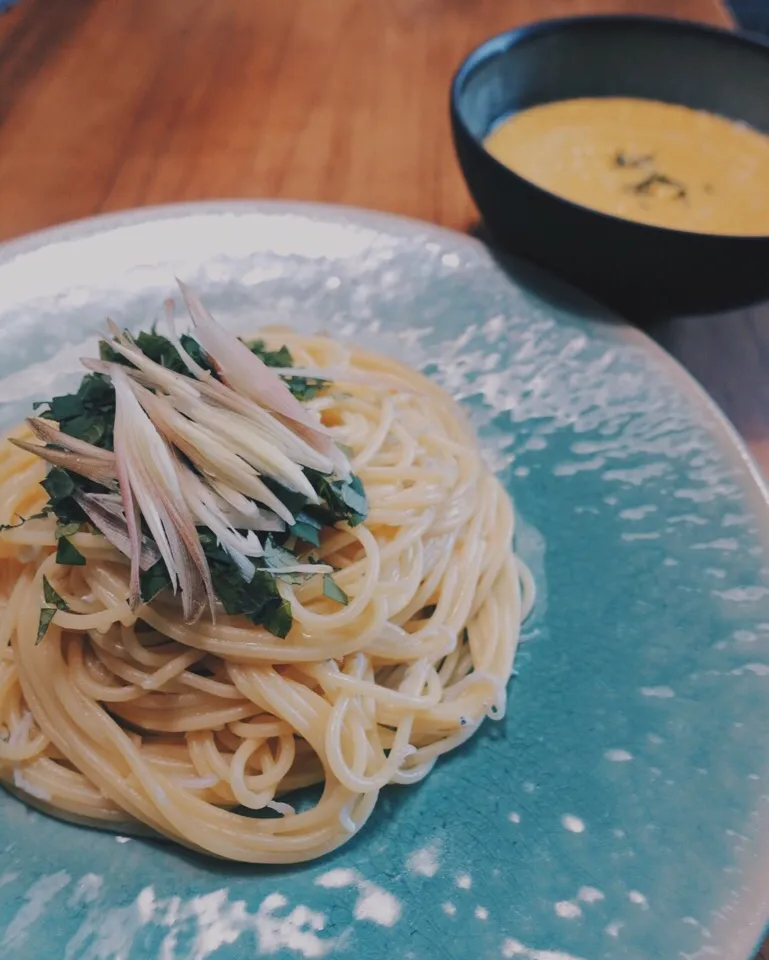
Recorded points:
(729, 355)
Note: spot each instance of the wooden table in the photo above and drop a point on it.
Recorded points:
(107, 104)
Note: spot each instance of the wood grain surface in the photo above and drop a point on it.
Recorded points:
(108, 104)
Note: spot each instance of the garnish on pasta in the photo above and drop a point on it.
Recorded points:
(199, 464)
(249, 568)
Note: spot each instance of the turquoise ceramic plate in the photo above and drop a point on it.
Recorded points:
(620, 811)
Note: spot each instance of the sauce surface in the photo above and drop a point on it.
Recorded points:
(657, 163)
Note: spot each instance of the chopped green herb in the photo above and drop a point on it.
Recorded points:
(271, 358)
(58, 484)
(303, 388)
(660, 185)
(276, 556)
(152, 581)
(333, 591)
(67, 529)
(622, 159)
(344, 499)
(307, 528)
(54, 602)
(52, 598)
(259, 601)
(88, 414)
(160, 349)
(68, 554)
(294, 502)
(280, 620)
(46, 615)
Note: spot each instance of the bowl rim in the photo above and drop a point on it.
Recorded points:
(501, 43)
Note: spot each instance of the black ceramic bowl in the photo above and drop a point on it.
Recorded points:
(643, 271)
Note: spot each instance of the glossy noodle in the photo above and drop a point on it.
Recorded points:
(137, 720)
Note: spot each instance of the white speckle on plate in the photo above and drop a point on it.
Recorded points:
(618, 756)
(514, 817)
(637, 475)
(123, 839)
(529, 787)
(637, 513)
(572, 824)
(571, 469)
(145, 904)
(725, 543)
(514, 948)
(536, 443)
(450, 260)
(481, 913)
(670, 562)
(333, 283)
(464, 881)
(337, 878)
(661, 693)
(614, 928)
(376, 905)
(568, 910)
(425, 862)
(759, 669)
(638, 898)
(297, 931)
(373, 903)
(590, 895)
(86, 890)
(743, 594)
(693, 922)
(449, 909)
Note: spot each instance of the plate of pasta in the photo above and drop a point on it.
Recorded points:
(364, 596)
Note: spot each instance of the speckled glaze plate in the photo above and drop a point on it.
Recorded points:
(620, 810)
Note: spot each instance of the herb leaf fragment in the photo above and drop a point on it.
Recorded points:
(54, 602)
(333, 591)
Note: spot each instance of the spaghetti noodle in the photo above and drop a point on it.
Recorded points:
(140, 719)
